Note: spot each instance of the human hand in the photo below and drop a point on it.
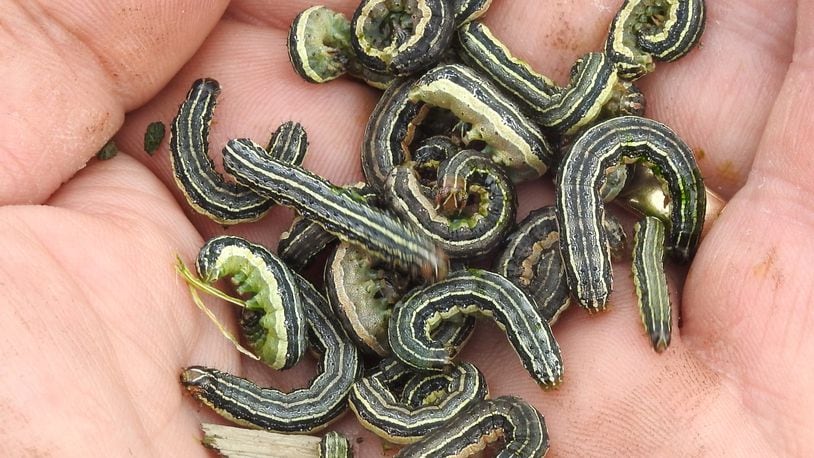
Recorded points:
(97, 325)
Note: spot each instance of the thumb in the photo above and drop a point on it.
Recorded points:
(749, 302)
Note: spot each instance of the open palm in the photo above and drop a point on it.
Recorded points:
(95, 325)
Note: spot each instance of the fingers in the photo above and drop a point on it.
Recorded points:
(550, 36)
(69, 73)
(749, 292)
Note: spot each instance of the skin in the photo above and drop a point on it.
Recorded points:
(95, 325)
